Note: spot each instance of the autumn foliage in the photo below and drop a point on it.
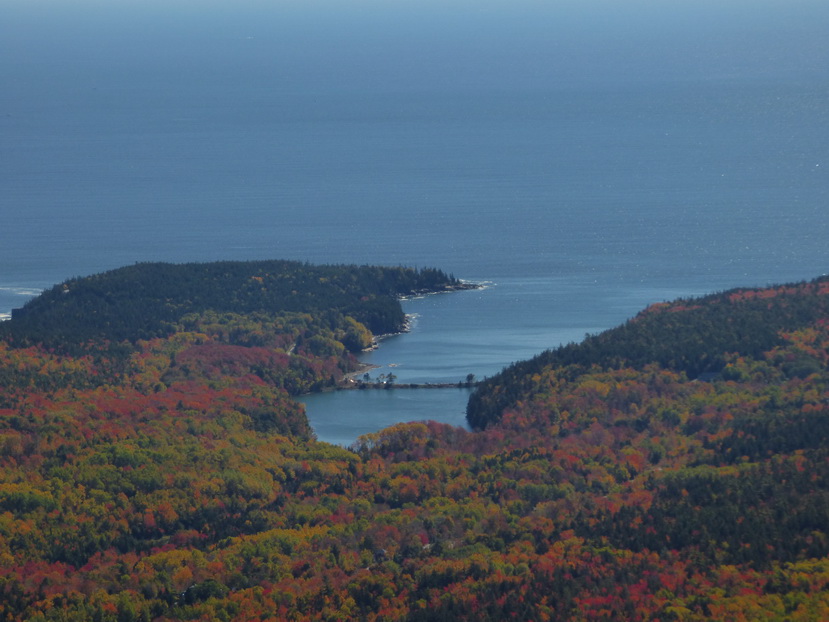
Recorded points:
(174, 477)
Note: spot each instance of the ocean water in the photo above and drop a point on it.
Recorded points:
(582, 158)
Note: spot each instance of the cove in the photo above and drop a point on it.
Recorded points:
(438, 348)
(452, 335)
(339, 417)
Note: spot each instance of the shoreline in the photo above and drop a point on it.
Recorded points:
(409, 317)
(462, 286)
(384, 386)
(362, 370)
(352, 381)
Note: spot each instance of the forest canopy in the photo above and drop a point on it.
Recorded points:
(147, 299)
(674, 468)
(692, 336)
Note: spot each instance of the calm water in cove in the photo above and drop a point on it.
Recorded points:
(582, 158)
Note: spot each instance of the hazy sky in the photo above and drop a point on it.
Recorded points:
(392, 45)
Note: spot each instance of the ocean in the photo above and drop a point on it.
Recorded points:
(583, 159)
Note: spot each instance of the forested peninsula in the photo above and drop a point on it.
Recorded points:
(154, 466)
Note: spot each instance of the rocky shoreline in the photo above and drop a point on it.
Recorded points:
(354, 380)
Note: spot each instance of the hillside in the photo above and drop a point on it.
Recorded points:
(147, 300)
(694, 337)
(182, 482)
